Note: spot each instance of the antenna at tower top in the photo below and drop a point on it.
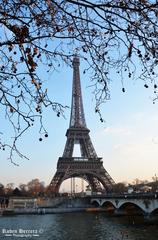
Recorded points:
(76, 52)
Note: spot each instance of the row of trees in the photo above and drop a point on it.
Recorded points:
(36, 188)
(32, 188)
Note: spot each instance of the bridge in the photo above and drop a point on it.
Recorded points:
(123, 204)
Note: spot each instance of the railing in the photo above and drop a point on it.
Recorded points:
(80, 159)
(150, 195)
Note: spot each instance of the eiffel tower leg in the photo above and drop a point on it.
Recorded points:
(94, 183)
(56, 182)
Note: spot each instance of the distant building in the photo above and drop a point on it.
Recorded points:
(88, 191)
(22, 202)
(145, 188)
(130, 189)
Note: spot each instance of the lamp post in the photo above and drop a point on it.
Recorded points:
(76, 188)
(156, 181)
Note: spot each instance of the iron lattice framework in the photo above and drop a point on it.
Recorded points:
(89, 166)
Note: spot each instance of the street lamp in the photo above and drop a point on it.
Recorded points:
(76, 188)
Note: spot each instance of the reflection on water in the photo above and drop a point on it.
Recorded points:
(76, 226)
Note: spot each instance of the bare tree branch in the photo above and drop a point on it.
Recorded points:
(118, 37)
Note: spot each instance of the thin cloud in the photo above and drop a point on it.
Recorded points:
(118, 130)
(142, 148)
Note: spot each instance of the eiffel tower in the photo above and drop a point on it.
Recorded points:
(89, 166)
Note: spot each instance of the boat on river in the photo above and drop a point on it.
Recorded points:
(7, 212)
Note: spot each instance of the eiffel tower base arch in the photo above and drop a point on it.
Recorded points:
(91, 171)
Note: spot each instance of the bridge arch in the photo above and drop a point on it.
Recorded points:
(138, 204)
(108, 206)
(154, 212)
(95, 203)
(131, 207)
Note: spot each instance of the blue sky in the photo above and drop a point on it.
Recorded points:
(127, 141)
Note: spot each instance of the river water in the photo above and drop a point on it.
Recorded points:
(75, 226)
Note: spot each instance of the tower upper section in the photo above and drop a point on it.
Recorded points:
(77, 119)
